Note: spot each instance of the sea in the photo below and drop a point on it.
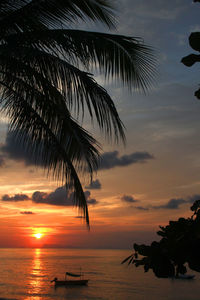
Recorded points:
(27, 273)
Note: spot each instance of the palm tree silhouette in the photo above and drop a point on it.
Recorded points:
(46, 82)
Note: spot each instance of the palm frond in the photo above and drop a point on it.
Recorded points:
(41, 81)
(80, 146)
(29, 15)
(126, 58)
(43, 143)
(56, 76)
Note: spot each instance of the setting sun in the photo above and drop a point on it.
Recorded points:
(38, 235)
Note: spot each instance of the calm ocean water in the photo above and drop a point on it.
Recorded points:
(26, 274)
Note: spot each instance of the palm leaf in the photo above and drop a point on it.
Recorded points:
(129, 258)
(80, 146)
(29, 15)
(51, 73)
(122, 57)
(43, 143)
(42, 85)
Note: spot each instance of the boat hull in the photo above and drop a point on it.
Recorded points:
(70, 282)
(180, 276)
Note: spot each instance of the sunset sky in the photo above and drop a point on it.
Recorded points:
(154, 178)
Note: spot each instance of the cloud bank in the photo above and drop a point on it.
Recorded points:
(15, 198)
(59, 197)
(112, 159)
(172, 204)
(94, 185)
(128, 199)
(16, 151)
(175, 203)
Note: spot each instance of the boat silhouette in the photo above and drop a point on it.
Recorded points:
(68, 282)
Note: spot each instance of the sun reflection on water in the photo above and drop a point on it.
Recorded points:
(35, 283)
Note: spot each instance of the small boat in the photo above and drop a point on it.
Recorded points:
(68, 282)
(184, 276)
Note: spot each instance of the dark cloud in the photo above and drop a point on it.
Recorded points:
(89, 199)
(142, 208)
(172, 204)
(92, 201)
(94, 185)
(175, 203)
(112, 159)
(15, 198)
(27, 213)
(17, 151)
(128, 199)
(59, 197)
(193, 198)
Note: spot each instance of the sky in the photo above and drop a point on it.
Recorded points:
(153, 179)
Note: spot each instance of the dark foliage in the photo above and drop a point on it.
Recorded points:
(179, 245)
(190, 60)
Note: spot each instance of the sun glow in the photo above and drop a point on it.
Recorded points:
(38, 235)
